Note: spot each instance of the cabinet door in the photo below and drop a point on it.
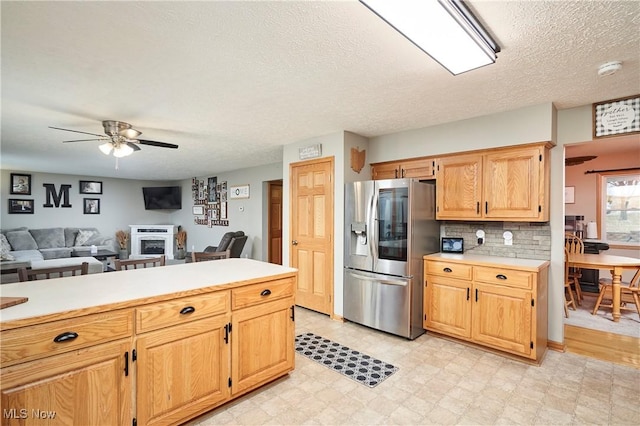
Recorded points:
(385, 171)
(182, 371)
(419, 169)
(84, 387)
(512, 182)
(262, 339)
(447, 306)
(459, 187)
(501, 318)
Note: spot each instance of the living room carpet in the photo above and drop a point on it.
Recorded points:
(355, 365)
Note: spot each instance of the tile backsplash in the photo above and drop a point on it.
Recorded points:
(531, 240)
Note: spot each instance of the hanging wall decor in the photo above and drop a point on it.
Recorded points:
(209, 196)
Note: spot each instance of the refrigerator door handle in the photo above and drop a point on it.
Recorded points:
(380, 280)
(374, 226)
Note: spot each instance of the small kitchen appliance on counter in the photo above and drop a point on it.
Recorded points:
(389, 226)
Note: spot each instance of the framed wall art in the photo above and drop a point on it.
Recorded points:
(20, 184)
(17, 206)
(91, 205)
(90, 187)
(616, 117)
(569, 195)
(198, 209)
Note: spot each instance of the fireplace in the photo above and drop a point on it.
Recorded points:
(153, 240)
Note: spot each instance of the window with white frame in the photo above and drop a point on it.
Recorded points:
(619, 210)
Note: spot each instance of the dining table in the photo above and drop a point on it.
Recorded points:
(616, 264)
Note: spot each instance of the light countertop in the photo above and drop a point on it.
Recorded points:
(484, 260)
(129, 288)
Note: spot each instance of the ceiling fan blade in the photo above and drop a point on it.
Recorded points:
(86, 140)
(134, 146)
(159, 144)
(76, 131)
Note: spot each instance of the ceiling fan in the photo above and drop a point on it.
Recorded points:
(574, 161)
(119, 138)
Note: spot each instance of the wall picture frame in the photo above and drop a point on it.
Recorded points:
(20, 206)
(198, 210)
(90, 187)
(616, 117)
(91, 205)
(20, 184)
(569, 195)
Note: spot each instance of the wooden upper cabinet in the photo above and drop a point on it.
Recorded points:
(459, 187)
(418, 168)
(504, 184)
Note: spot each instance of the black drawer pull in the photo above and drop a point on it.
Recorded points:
(448, 270)
(64, 337)
(187, 310)
(501, 277)
(265, 292)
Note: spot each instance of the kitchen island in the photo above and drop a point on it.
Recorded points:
(159, 345)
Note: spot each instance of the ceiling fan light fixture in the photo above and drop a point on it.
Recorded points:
(122, 151)
(130, 133)
(106, 148)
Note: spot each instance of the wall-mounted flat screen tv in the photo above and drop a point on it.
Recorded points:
(162, 197)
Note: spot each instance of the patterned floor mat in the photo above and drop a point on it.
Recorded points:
(357, 366)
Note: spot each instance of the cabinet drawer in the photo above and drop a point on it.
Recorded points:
(178, 311)
(507, 277)
(38, 341)
(261, 293)
(449, 269)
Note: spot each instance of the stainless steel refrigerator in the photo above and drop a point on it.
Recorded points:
(389, 225)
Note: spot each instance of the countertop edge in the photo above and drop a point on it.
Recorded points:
(534, 265)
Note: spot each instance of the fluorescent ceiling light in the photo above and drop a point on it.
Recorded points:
(444, 29)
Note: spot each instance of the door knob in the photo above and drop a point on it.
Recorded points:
(294, 242)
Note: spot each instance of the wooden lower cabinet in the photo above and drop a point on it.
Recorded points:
(501, 307)
(447, 306)
(181, 357)
(82, 387)
(263, 344)
(182, 370)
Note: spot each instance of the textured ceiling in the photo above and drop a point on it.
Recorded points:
(232, 82)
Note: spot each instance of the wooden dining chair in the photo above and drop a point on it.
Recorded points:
(149, 262)
(25, 274)
(569, 301)
(629, 294)
(214, 255)
(574, 244)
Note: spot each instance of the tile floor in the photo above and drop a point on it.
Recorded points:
(438, 383)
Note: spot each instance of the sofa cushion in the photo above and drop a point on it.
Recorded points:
(22, 228)
(21, 240)
(56, 252)
(70, 235)
(27, 255)
(48, 238)
(5, 248)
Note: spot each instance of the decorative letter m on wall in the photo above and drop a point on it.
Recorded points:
(57, 196)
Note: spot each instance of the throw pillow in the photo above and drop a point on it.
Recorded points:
(97, 238)
(5, 248)
(83, 237)
(21, 240)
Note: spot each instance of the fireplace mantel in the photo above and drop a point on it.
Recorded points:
(161, 237)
